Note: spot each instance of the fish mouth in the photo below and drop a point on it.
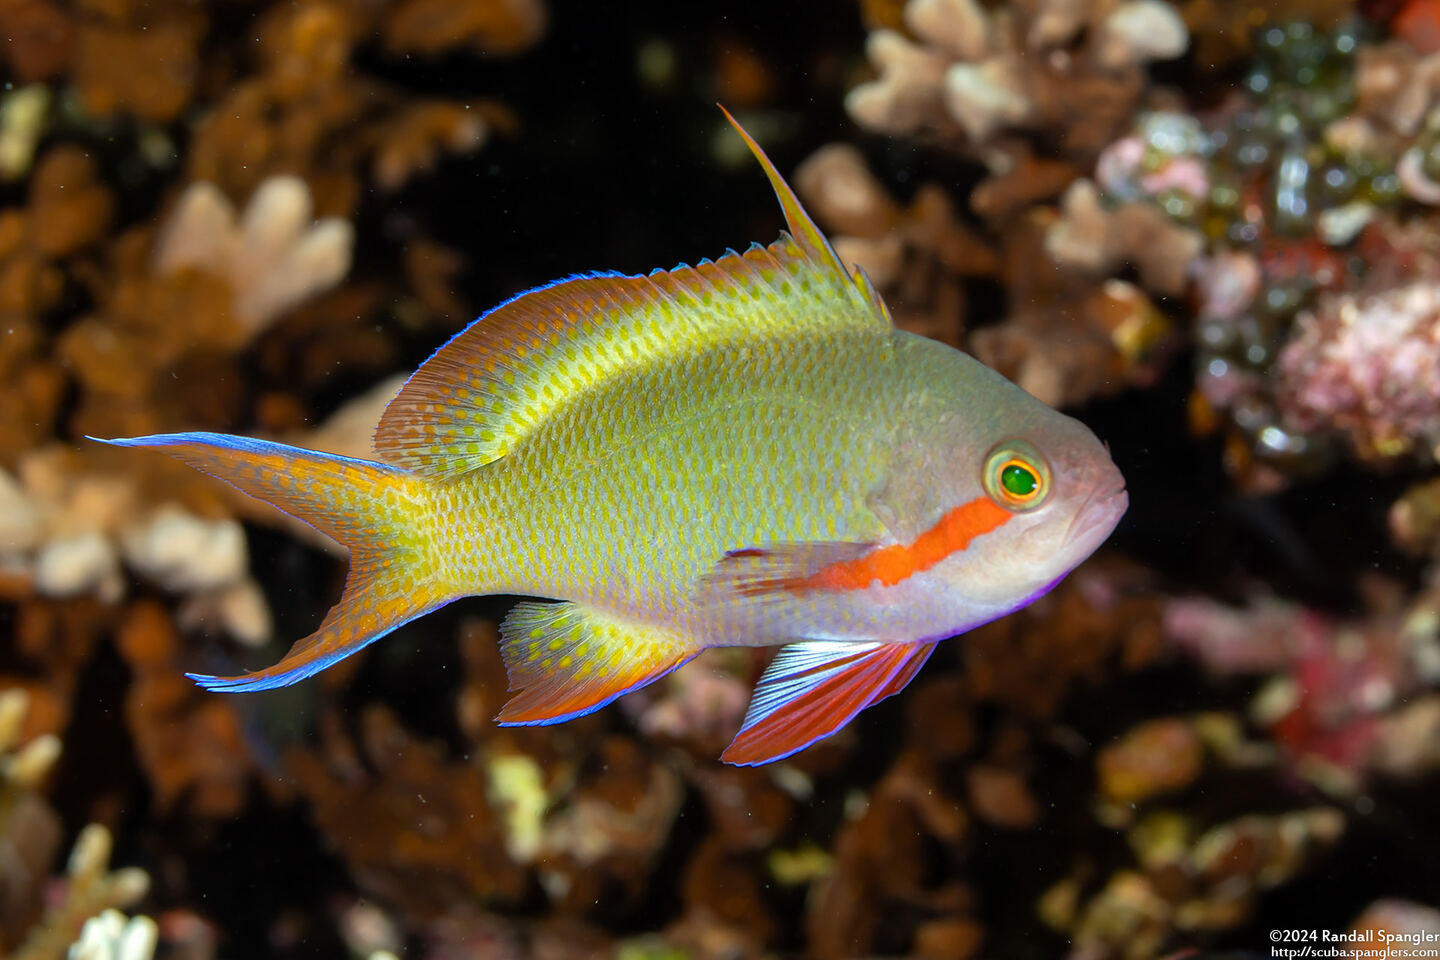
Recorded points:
(1097, 517)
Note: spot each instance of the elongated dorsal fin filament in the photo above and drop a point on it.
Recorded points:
(802, 228)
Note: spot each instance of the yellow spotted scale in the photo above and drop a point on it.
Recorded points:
(744, 452)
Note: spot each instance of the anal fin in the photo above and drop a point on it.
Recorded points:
(567, 660)
(814, 688)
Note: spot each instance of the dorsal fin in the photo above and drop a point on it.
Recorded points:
(802, 228)
(479, 395)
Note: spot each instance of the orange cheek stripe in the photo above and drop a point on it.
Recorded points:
(889, 565)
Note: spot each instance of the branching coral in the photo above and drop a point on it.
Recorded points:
(30, 834)
(922, 255)
(918, 254)
(1090, 238)
(273, 258)
(1034, 92)
(307, 113)
(984, 72)
(147, 67)
(429, 27)
(134, 298)
(91, 889)
(68, 528)
(190, 746)
(110, 935)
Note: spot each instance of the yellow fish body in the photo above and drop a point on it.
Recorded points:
(743, 452)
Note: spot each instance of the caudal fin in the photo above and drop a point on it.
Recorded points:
(369, 507)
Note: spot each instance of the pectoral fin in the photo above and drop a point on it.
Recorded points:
(814, 688)
(779, 568)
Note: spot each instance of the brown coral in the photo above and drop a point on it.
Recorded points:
(189, 744)
(147, 71)
(417, 830)
(429, 27)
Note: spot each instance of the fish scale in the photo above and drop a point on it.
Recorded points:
(742, 452)
(736, 469)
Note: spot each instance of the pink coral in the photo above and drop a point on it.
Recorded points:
(1368, 367)
(1336, 695)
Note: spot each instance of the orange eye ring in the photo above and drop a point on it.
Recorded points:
(1016, 476)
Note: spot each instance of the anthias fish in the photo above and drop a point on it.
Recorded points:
(744, 452)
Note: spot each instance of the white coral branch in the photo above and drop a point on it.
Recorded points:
(113, 936)
(275, 257)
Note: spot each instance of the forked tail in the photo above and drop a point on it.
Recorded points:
(371, 508)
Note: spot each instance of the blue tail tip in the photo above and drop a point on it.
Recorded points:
(214, 684)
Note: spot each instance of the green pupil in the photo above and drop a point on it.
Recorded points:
(1018, 481)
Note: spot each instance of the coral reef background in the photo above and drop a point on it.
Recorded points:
(1210, 230)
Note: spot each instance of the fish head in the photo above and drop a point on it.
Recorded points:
(1049, 495)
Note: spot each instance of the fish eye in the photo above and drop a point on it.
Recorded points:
(1016, 476)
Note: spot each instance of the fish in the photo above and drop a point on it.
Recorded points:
(742, 452)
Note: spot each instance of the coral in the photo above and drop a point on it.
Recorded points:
(1297, 185)
(1072, 332)
(1336, 700)
(1156, 757)
(30, 831)
(149, 71)
(1415, 519)
(987, 83)
(1188, 882)
(273, 258)
(1399, 918)
(1027, 662)
(76, 564)
(702, 704)
(608, 831)
(110, 935)
(878, 862)
(287, 119)
(191, 746)
(41, 39)
(1363, 366)
(22, 121)
(91, 888)
(429, 27)
(368, 932)
(418, 831)
(919, 255)
(68, 529)
(183, 553)
(981, 73)
(348, 431)
(410, 144)
(999, 797)
(517, 786)
(1090, 238)
(63, 525)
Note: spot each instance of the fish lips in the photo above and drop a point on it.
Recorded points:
(1095, 520)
